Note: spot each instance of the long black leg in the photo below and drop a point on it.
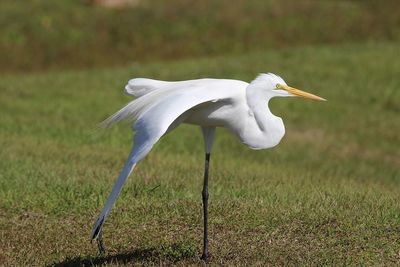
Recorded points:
(205, 208)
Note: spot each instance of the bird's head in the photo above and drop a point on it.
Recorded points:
(273, 86)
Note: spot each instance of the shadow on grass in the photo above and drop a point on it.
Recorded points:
(171, 254)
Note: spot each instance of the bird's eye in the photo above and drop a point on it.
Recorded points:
(278, 86)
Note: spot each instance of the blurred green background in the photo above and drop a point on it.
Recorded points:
(40, 34)
(327, 195)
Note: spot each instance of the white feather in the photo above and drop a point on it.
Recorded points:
(236, 105)
(141, 86)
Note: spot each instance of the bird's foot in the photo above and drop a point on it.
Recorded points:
(98, 235)
(100, 244)
(205, 257)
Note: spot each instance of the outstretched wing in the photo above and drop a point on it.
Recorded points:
(154, 121)
(154, 113)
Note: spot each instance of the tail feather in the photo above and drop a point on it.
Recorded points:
(139, 87)
(129, 111)
(134, 109)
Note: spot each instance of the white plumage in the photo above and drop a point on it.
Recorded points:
(161, 106)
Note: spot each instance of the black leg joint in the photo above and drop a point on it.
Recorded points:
(204, 194)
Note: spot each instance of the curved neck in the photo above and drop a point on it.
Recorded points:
(263, 129)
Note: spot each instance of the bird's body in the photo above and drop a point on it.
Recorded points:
(227, 98)
(225, 103)
(161, 106)
(234, 112)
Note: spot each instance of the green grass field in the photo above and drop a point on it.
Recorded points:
(329, 194)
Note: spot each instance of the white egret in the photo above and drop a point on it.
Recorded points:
(160, 106)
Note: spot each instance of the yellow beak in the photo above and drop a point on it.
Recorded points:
(298, 92)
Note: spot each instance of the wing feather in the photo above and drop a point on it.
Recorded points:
(154, 122)
(153, 113)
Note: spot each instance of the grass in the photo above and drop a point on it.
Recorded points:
(71, 34)
(327, 195)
